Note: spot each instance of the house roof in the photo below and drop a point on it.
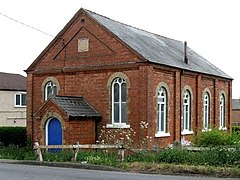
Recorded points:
(236, 104)
(75, 106)
(150, 47)
(159, 49)
(14, 82)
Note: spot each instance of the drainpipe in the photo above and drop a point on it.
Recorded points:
(180, 125)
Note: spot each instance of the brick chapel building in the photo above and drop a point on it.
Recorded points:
(99, 72)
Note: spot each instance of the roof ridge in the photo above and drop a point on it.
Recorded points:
(86, 10)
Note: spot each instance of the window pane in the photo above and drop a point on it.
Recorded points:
(116, 112)
(158, 117)
(162, 121)
(124, 92)
(23, 99)
(124, 113)
(18, 99)
(49, 91)
(116, 92)
(54, 90)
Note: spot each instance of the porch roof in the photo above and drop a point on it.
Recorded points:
(75, 106)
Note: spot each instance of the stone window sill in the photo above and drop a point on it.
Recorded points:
(118, 125)
(186, 132)
(162, 134)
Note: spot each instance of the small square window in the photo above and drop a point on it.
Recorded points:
(83, 45)
(20, 100)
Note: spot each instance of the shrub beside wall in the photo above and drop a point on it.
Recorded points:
(13, 135)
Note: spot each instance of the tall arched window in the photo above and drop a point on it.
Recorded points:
(50, 90)
(119, 101)
(186, 111)
(222, 112)
(206, 111)
(162, 122)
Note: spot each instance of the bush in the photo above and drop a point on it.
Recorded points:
(220, 156)
(216, 138)
(13, 135)
(236, 129)
(16, 153)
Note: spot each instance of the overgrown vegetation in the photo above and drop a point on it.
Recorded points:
(217, 137)
(220, 152)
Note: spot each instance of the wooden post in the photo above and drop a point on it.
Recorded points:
(38, 152)
(75, 150)
(121, 152)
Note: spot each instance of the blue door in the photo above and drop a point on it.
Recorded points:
(54, 132)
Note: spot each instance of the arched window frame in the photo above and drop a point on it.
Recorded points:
(206, 111)
(162, 113)
(119, 107)
(50, 90)
(222, 110)
(187, 105)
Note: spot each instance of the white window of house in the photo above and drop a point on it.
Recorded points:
(162, 123)
(20, 99)
(119, 103)
(50, 90)
(222, 113)
(186, 113)
(206, 111)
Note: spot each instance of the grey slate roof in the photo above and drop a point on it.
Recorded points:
(158, 49)
(76, 106)
(12, 82)
(236, 104)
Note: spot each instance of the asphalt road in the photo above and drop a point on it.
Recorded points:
(32, 172)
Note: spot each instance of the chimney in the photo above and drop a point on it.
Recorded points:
(185, 52)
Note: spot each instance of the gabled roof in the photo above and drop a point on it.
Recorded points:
(236, 104)
(75, 106)
(150, 47)
(14, 82)
(158, 49)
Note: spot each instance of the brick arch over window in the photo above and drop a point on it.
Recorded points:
(47, 80)
(187, 110)
(118, 85)
(162, 108)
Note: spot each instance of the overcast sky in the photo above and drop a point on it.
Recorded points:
(211, 27)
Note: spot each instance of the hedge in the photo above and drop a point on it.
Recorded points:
(13, 136)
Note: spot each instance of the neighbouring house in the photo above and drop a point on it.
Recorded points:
(98, 74)
(236, 112)
(12, 99)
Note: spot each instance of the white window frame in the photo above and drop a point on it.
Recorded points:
(52, 85)
(120, 81)
(206, 111)
(222, 123)
(162, 108)
(21, 103)
(186, 111)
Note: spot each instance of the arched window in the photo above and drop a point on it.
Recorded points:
(222, 112)
(50, 90)
(119, 101)
(206, 111)
(186, 111)
(162, 122)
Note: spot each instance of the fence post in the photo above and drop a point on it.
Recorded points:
(38, 152)
(75, 150)
(121, 151)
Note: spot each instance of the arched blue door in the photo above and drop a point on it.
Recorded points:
(54, 132)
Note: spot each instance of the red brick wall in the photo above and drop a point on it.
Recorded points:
(88, 74)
